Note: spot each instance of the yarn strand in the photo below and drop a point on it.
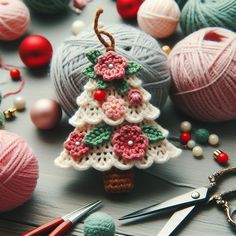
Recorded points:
(21, 79)
(99, 33)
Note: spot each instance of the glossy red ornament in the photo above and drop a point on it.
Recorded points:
(128, 9)
(15, 74)
(185, 137)
(35, 51)
(221, 157)
(99, 95)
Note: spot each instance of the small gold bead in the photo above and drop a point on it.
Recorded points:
(113, 106)
(166, 49)
(10, 113)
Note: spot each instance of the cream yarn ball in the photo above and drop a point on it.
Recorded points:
(159, 18)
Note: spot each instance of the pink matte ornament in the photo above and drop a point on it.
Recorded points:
(46, 114)
(18, 171)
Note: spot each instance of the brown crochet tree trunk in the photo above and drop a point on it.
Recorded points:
(118, 181)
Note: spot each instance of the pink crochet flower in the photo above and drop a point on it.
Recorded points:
(111, 66)
(135, 97)
(114, 108)
(129, 143)
(75, 145)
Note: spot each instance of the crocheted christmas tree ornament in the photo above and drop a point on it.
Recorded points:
(115, 128)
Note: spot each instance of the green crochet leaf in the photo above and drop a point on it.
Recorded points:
(133, 68)
(152, 133)
(101, 84)
(98, 135)
(0, 97)
(89, 72)
(93, 56)
(121, 86)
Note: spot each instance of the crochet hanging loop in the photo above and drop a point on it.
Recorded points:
(101, 33)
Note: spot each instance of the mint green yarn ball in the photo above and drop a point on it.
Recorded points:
(47, 6)
(99, 224)
(201, 136)
(198, 14)
(2, 119)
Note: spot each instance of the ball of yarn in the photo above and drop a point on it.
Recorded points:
(159, 18)
(14, 19)
(69, 61)
(198, 14)
(47, 6)
(18, 171)
(203, 73)
(99, 224)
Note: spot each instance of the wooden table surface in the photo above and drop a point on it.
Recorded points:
(60, 191)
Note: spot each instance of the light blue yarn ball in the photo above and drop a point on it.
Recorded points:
(69, 61)
(99, 224)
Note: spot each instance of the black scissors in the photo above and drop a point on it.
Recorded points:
(184, 204)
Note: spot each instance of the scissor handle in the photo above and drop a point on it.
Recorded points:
(61, 229)
(220, 201)
(216, 176)
(44, 228)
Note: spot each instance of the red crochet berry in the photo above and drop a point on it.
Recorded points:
(185, 137)
(99, 95)
(15, 74)
(222, 158)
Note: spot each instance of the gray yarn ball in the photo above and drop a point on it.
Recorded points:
(69, 61)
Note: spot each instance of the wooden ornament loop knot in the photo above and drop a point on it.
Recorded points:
(101, 33)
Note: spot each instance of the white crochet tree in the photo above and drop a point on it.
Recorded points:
(115, 128)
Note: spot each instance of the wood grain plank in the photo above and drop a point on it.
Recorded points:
(58, 195)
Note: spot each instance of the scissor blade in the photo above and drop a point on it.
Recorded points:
(186, 199)
(175, 221)
(83, 211)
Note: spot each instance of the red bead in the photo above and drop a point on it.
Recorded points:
(185, 137)
(99, 95)
(15, 74)
(128, 9)
(35, 51)
(222, 158)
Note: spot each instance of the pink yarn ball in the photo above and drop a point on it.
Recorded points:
(203, 70)
(159, 18)
(18, 171)
(14, 19)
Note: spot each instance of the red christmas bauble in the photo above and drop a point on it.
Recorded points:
(185, 137)
(222, 158)
(15, 74)
(99, 95)
(35, 51)
(128, 9)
